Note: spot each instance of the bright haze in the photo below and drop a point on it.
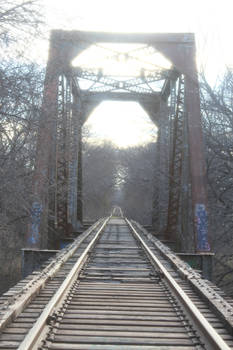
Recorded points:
(126, 123)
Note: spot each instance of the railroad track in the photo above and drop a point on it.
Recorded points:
(115, 288)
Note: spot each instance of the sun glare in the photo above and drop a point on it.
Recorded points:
(125, 124)
(213, 31)
(121, 59)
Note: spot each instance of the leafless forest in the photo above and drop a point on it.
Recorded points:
(110, 175)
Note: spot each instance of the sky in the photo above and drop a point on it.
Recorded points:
(130, 125)
(210, 20)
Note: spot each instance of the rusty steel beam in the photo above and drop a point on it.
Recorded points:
(176, 162)
(183, 57)
(196, 156)
(80, 184)
(73, 164)
(75, 37)
(106, 82)
(38, 227)
(62, 153)
(120, 96)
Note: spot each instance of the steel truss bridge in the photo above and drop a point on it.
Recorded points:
(117, 286)
(171, 99)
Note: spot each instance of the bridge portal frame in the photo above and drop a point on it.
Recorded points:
(179, 48)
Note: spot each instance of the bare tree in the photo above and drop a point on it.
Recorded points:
(20, 100)
(20, 22)
(217, 111)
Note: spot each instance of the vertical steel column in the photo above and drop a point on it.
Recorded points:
(157, 177)
(172, 114)
(182, 55)
(153, 109)
(61, 156)
(196, 154)
(186, 226)
(175, 172)
(163, 165)
(80, 180)
(38, 226)
(73, 164)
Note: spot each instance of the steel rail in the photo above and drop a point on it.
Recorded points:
(217, 302)
(10, 310)
(214, 340)
(31, 339)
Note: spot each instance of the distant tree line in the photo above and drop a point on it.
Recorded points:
(118, 176)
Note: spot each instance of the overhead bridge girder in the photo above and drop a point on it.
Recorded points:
(102, 81)
(57, 192)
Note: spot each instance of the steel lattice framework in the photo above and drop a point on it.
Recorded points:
(176, 162)
(173, 104)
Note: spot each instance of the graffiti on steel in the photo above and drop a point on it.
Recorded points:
(35, 222)
(202, 227)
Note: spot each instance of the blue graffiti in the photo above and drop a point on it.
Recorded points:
(202, 227)
(35, 222)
